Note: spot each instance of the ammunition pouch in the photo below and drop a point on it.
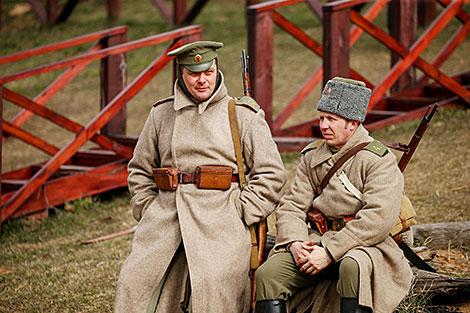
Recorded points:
(214, 177)
(166, 178)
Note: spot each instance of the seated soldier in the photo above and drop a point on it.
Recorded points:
(352, 264)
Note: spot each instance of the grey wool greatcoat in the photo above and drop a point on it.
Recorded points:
(385, 276)
(212, 225)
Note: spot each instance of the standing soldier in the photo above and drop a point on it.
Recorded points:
(191, 249)
(346, 261)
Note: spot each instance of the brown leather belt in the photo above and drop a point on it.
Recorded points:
(320, 222)
(185, 178)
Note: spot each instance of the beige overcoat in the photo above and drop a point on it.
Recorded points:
(212, 224)
(385, 276)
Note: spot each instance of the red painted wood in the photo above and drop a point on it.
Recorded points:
(401, 66)
(290, 108)
(21, 173)
(62, 44)
(29, 138)
(53, 10)
(136, 44)
(179, 11)
(457, 38)
(20, 196)
(52, 89)
(114, 8)
(66, 123)
(427, 68)
(403, 28)
(164, 10)
(370, 15)
(426, 12)
(38, 10)
(94, 157)
(1, 132)
(113, 76)
(72, 187)
(272, 5)
(335, 43)
(260, 51)
(342, 5)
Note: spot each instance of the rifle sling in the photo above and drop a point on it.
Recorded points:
(232, 115)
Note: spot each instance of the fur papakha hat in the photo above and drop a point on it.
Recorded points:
(345, 97)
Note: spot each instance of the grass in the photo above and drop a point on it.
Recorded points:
(43, 265)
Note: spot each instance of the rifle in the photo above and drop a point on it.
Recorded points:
(245, 75)
(258, 232)
(405, 158)
(411, 147)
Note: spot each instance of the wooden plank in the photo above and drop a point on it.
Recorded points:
(29, 138)
(12, 204)
(427, 68)
(72, 187)
(401, 66)
(21, 173)
(39, 11)
(9, 185)
(272, 5)
(410, 103)
(179, 11)
(457, 38)
(426, 12)
(403, 28)
(113, 76)
(260, 51)
(335, 43)
(164, 10)
(67, 10)
(114, 8)
(370, 15)
(64, 122)
(94, 157)
(136, 44)
(52, 89)
(316, 8)
(53, 9)
(1, 134)
(343, 5)
(76, 41)
(194, 12)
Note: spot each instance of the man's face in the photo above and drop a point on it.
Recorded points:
(200, 84)
(335, 129)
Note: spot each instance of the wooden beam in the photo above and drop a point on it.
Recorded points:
(316, 8)
(67, 10)
(403, 26)
(114, 8)
(39, 11)
(179, 11)
(113, 75)
(260, 51)
(336, 27)
(426, 12)
(164, 10)
(1, 136)
(193, 13)
(53, 9)
(29, 138)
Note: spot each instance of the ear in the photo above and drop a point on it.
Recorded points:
(353, 125)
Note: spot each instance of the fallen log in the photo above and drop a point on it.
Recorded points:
(442, 235)
(442, 289)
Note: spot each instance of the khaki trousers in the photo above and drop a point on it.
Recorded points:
(280, 278)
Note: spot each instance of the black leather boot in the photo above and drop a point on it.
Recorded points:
(271, 306)
(351, 305)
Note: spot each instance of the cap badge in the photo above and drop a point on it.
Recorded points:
(328, 91)
(197, 58)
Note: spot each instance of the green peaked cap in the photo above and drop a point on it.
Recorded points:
(196, 56)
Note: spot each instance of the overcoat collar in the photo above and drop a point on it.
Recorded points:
(182, 101)
(324, 152)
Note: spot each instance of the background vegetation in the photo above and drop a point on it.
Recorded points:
(44, 267)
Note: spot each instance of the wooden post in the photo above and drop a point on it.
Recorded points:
(114, 8)
(1, 141)
(336, 25)
(53, 9)
(260, 52)
(1, 12)
(403, 25)
(113, 80)
(179, 11)
(426, 12)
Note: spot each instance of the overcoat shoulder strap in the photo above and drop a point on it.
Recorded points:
(248, 102)
(377, 148)
(170, 98)
(312, 145)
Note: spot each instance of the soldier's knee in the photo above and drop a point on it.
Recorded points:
(348, 283)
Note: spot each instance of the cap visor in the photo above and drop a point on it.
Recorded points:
(201, 67)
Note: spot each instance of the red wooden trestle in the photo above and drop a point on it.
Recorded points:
(72, 173)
